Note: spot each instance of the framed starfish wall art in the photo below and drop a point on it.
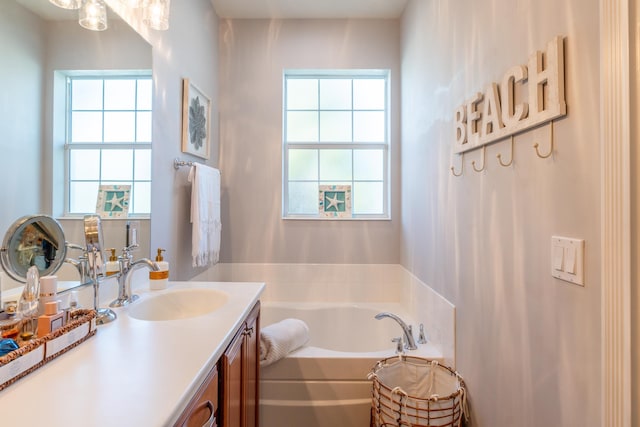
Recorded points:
(113, 201)
(196, 115)
(334, 201)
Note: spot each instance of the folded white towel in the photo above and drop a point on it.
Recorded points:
(205, 215)
(279, 339)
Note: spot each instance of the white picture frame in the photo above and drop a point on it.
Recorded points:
(113, 201)
(334, 201)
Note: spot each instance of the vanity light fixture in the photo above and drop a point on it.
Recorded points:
(135, 4)
(67, 4)
(93, 15)
(156, 14)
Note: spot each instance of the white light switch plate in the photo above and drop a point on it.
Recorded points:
(572, 265)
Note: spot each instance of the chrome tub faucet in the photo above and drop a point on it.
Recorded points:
(409, 342)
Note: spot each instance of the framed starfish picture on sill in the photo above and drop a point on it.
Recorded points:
(334, 201)
(113, 201)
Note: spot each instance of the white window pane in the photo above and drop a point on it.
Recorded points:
(86, 127)
(367, 198)
(86, 95)
(142, 165)
(141, 197)
(335, 126)
(119, 127)
(303, 197)
(302, 126)
(303, 165)
(335, 165)
(145, 94)
(119, 94)
(84, 165)
(368, 165)
(117, 165)
(143, 130)
(83, 197)
(368, 126)
(335, 94)
(369, 94)
(302, 94)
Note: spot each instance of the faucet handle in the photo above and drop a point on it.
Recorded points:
(399, 345)
(422, 339)
(129, 248)
(74, 246)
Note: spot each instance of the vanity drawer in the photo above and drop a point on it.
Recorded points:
(202, 411)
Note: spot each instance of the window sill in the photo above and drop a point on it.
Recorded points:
(67, 217)
(319, 218)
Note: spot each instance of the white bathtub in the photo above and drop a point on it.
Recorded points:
(325, 383)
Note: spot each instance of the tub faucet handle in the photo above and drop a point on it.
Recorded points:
(399, 345)
(422, 339)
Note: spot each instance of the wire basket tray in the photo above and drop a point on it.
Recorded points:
(39, 351)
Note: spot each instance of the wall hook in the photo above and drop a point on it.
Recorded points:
(473, 163)
(499, 156)
(536, 145)
(461, 167)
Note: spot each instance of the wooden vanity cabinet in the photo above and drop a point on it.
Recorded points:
(229, 395)
(203, 409)
(239, 367)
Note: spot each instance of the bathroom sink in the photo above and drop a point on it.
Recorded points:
(176, 305)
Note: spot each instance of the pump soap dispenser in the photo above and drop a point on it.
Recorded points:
(112, 266)
(159, 279)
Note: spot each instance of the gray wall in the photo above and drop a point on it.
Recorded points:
(186, 50)
(22, 51)
(527, 344)
(253, 55)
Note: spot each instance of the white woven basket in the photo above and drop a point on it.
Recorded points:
(416, 392)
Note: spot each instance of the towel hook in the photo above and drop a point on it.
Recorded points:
(473, 162)
(536, 145)
(499, 156)
(461, 167)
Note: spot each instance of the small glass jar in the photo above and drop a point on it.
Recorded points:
(11, 321)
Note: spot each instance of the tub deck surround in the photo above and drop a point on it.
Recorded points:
(133, 372)
(341, 283)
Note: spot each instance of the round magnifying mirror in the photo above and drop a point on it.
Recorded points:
(33, 240)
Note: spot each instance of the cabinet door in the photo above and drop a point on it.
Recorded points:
(202, 410)
(232, 365)
(251, 367)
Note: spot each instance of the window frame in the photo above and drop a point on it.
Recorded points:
(352, 74)
(69, 146)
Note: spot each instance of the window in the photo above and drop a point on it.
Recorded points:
(336, 133)
(108, 139)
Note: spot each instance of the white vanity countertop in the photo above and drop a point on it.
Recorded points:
(132, 372)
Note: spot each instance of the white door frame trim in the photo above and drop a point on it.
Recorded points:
(616, 213)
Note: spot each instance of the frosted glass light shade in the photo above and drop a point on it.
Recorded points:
(67, 4)
(156, 14)
(93, 15)
(135, 4)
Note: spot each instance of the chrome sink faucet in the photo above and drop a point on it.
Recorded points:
(127, 266)
(409, 342)
(81, 264)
